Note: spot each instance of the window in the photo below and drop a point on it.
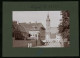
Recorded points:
(30, 35)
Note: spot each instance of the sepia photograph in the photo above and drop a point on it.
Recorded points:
(41, 29)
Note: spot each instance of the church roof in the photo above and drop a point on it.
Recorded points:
(54, 30)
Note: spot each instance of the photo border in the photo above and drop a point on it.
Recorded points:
(9, 51)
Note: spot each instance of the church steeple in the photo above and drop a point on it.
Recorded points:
(48, 15)
(48, 27)
(48, 19)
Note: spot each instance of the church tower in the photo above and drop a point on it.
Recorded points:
(48, 27)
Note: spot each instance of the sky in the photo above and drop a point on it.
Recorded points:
(37, 16)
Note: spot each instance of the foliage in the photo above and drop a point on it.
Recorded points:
(16, 32)
(64, 27)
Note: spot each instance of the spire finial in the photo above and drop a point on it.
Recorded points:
(48, 14)
(48, 17)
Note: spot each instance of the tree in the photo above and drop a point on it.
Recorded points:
(64, 27)
(16, 32)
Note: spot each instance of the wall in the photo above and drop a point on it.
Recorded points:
(42, 34)
(23, 43)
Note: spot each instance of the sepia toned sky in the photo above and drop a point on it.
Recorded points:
(37, 16)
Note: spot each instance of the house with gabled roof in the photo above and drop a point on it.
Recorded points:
(27, 29)
(33, 29)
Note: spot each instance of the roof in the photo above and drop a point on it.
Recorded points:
(54, 30)
(52, 36)
(21, 28)
(31, 26)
